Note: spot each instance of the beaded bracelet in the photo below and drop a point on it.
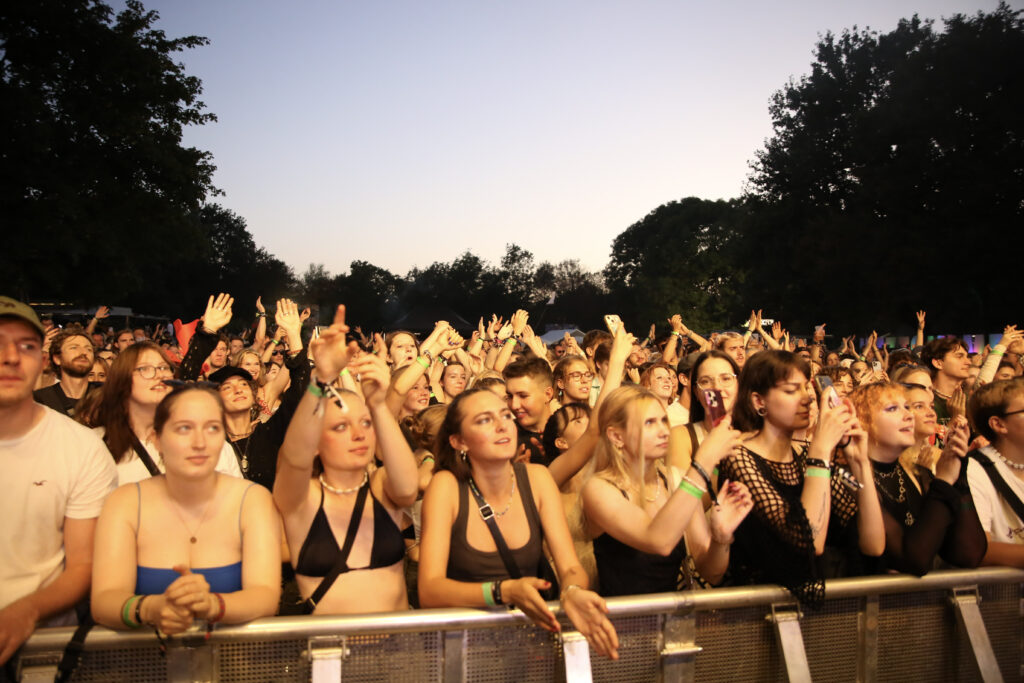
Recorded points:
(220, 614)
(496, 593)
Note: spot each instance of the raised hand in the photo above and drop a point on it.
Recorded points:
(259, 305)
(819, 334)
(718, 444)
(734, 502)
(102, 312)
(950, 461)
(374, 377)
(519, 320)
(777, 330)
(287, 316)
(920, 320)
(331, 352)
(217, 313)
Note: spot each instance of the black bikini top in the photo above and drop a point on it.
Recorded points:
(320, 550)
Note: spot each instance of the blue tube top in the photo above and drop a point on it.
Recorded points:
(154, 581)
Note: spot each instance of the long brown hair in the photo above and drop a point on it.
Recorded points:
(110, 409)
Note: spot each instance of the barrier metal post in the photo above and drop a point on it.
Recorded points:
(326, 654)
(968, 616)
(867, 640)
(455, 656)
(190, 659)
(576, 654)
(679, 647)
(786, 619)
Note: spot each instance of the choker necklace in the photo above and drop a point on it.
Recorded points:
(898, 473)
(511, 496)
(345, 492)
(1019, 466)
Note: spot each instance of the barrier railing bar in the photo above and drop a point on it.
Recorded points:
(968, 616)
(458, 619)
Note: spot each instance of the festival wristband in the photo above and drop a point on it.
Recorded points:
(818, 472)
(315, 390)
(691, 489)
(126, 612)
(488, 593)
(424, 363)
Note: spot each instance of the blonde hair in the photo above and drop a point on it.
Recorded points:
(622, 409)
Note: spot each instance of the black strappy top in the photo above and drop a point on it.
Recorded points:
(466, 563)
(320, 550)
(624, 570)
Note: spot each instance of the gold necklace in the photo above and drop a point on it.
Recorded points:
(192, 533)
(657, 491)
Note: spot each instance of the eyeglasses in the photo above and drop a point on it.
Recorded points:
(723, 380)
(577, 376)
(1013, 412)
(151, 371)
(278, 352)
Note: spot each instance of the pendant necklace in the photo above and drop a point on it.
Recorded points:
(345, 492)
(192, 532)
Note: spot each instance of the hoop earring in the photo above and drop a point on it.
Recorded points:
(762, 411)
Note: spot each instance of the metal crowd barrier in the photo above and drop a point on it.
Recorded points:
(947, 626)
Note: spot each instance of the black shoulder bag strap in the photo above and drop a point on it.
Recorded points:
(341, 564)
(999, 483)
(143, 454)
(492, 524)
(73, 650)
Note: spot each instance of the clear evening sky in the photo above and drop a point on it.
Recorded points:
(405, 132)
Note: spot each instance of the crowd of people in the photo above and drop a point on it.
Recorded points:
(168, 477)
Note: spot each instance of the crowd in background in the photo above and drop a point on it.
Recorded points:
(160, 478)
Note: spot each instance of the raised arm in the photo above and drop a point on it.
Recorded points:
(920, 328)
(400, 480)
(302, 440)
(260, 337)
(204, 341)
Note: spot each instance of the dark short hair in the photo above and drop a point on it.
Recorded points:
(759, 375)
(557, 423)
(937, 349)
(594, 337)
(58, 341)
(696, 404)
(535, 368)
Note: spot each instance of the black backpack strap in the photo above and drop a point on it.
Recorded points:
(341, 565)
(492, 525)
(143, 454)
(73, 650)
(999, 483)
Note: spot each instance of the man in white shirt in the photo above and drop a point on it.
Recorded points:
(997, 413)
(57, 474)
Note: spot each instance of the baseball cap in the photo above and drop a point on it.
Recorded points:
(12, 308)
(227, 372)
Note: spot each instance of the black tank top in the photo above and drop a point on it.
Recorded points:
(466, 563)
(624, 570)
(320, 550)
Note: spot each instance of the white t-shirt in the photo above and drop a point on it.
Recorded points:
(131, 469)
(996, 515)
(58, 469)
(677, 414)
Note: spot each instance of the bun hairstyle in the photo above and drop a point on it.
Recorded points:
(421, 429)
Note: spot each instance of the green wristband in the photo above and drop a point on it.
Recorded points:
(126, 612)
(691, 489)
(818, 472)
(424, 363)
(315, 390)
(488, 594)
